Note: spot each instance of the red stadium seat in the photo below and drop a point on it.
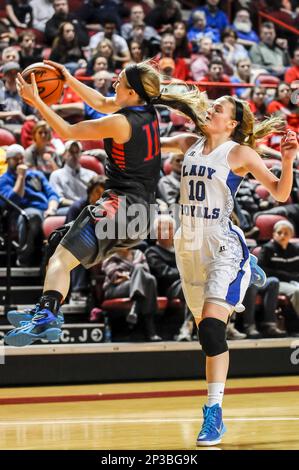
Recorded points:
(167, 167)
(262, 192)
(52, 223)
(265, 79)
(6, 137)
(92, 163)
(92, 144)
(81, 72)
(265, 223)
(271, 162)
(124, 304)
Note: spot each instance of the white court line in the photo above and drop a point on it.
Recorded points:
(135, 421)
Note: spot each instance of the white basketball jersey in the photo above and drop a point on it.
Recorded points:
(207, 186)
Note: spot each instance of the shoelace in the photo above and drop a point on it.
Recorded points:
(209, 420)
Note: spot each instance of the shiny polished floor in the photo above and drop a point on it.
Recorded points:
(259, 413)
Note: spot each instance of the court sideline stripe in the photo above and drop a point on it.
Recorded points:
(144, 395)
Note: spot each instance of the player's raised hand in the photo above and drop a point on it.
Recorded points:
(289, 145)
(27, 91)
(62, 69)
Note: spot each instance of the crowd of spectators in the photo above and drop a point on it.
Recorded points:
(95, 39)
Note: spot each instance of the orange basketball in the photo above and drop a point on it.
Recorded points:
(48, 79)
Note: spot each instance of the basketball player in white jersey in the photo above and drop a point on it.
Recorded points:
(211, 252)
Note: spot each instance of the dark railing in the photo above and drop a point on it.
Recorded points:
(284, 25)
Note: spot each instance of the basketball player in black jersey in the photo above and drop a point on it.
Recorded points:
(132, 143)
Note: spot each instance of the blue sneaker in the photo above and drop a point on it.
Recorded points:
(20, 317)
(212, 428)
(44, 325)
(258, 276)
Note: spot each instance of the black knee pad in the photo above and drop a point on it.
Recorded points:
(212, 336)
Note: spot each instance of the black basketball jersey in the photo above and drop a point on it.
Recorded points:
(135, 165)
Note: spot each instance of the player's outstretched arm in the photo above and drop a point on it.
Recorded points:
(280, 188)
(115, 126)
(90, 96)
(178, 143)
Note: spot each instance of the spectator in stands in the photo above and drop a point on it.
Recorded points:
(42, 11)
(151, 46)
(105, 49)
(199, 29)
(61, 15)
(66, 49)
(94, 12)
(29, 53)
(128, 275)
(80, 275)
(282, 105)
(8, 34)
(216, 74)
(71, 181)
(292, 73)
(271, 53)
(95, 188)
(232, 51)
(243, 27)
(217, 53)
(96, 64)
(200, 65)
(183, 47)
(168, 46)
(284, 10)
(167, 66)
(257, 102)
(243, 75)
(121, 51)
(169, 185)
(216, 18)
(137, 16)
(30, 190)
(12, 108)
(19, 13)
(137, 52)
(10, 54)
(41, 154)
(280, 258)
(162, 17)
(267, 324)
(161, 260)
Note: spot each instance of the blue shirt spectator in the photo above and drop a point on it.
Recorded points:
(216, 18)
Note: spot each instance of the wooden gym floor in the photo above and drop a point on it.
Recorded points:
(260, 413)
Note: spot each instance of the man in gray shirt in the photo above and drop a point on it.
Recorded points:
(70, 182)
(271, 54)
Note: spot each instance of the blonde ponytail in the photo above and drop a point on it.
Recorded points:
(192, 103)
(250, 131)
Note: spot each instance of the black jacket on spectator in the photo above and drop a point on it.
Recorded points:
(280, 263)
(169, 188)
(52, 26)
(163, 266)
(93, 13)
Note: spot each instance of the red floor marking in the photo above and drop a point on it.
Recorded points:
(138, 395)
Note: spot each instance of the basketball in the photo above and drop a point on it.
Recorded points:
(48, 79)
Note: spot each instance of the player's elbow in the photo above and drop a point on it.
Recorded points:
(68, 133)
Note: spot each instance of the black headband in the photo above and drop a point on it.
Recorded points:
(239, 112)
(134, 80)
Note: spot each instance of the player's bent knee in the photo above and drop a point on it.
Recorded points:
(212, 336)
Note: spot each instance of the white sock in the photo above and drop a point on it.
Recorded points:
(215, 393)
